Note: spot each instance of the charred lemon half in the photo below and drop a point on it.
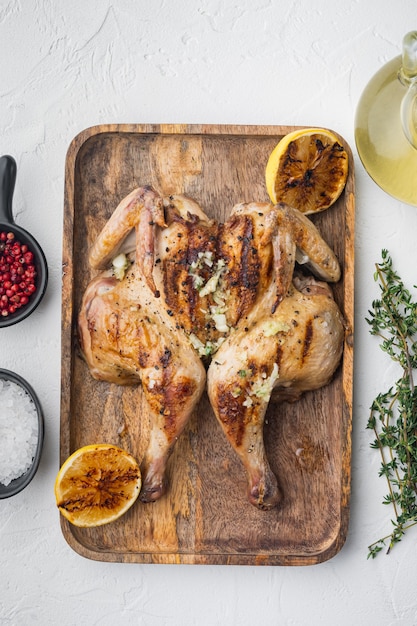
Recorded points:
(97, 484)
(307, 169)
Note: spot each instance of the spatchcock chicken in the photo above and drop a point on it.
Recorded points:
(182, 302)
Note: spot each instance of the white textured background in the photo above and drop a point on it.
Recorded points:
(69, 64)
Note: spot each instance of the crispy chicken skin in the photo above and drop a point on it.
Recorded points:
(188, 241)
(226, 295)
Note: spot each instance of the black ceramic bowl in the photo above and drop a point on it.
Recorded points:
(7, 224)
(18, 484)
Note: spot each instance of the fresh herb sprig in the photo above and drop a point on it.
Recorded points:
(393, 416)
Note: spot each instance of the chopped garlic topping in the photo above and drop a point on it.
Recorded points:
(273, 327)
(198, 282)
(120, 264)
(207, 257)
(264, 390)
(219, 320)
(213, 282)
(220, 297)
(205, 349)
(196, 342)
(203, 258)
(210, 286)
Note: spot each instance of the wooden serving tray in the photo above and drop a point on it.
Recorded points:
(205, 517)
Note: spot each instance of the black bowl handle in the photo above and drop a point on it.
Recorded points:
(7, 183)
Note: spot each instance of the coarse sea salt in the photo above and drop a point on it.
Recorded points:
(18, 431)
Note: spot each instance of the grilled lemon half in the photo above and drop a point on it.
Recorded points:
(307, 169)
(97, 484)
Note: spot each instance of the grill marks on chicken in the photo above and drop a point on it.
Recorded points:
(196, 287)
(188, 236)
(248, 261)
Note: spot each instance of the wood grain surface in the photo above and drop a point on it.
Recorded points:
(205, 517)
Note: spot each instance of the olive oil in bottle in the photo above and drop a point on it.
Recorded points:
(386, 125)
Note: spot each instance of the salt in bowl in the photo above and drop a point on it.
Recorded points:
(18, 484)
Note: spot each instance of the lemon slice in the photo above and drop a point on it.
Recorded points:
(307, 169)
(97, 484)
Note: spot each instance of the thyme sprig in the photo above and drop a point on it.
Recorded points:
(393, 416)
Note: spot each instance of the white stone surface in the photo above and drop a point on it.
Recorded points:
(69, 64)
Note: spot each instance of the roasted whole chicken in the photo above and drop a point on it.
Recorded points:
(197, 301)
